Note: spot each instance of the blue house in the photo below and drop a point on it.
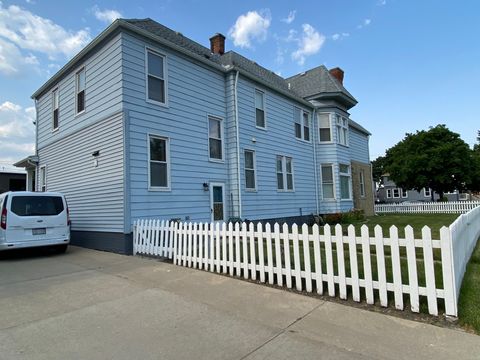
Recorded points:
(146, 123)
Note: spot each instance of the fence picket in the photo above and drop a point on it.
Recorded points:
(189, 245)
(237, 250)
(211, 247)
(367, 265)
(296, 258)
(429, 270)
(340, 262)
(278, 254)
(352, 250)
(216, 262)
(200, 245)
(268, 236)
(194, 244)
(396, 268)
(231, 260)
(223, 233)
(245, 250)
(412, 269)
(253, 259)
(261, 259)
(306, 258)
(382, 277)
(286, 249)
(329, 256)
(317, 259)
(447, 271)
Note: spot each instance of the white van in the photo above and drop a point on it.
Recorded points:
(31, 219)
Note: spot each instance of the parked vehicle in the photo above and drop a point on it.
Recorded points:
(32, 219)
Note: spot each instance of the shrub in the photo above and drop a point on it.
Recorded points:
(345, 218)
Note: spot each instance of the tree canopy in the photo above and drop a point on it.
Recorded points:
(378, 168)
(437, 158)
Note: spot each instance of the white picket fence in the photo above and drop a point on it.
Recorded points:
(345, 265)
(453, 207)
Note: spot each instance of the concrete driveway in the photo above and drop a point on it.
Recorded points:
(94, 305)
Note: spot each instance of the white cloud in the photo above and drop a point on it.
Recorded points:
(12, 62)
(291, 16)
(340, 36)
(381, 2)
(17, 132)
(32, 32)
(310, 43)
(250, 26)
(365, 22)
(107, 15)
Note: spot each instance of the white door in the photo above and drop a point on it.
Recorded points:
(217, 201)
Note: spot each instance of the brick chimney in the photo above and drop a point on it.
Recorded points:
(337, 73)
(217, 44)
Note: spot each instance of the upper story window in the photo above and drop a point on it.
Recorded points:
(55, 105)
(260, 109)
(215, 134)
(404, 193)
(80, 90)
(284, 173)
(156, 89)
(342, 130)
(345, 180)
(328, 187)
(302, 124)
(427, 192)
(159, 167)
(325, 130)
(250, 183)
(396, 193)
(389, 193)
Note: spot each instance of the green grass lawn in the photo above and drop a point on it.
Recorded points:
(469, 302)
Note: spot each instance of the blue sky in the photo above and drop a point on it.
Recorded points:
(410, 64)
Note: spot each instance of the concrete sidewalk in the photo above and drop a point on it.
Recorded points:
(94, 305)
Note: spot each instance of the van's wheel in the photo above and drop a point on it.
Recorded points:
(61, 248)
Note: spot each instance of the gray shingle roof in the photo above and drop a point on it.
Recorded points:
(315, 81)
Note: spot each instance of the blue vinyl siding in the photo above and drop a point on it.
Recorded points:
(277, 139)
(359, 146)
(194, 92)
(103, 94)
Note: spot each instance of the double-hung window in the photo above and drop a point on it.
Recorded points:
(427, 192)
(159, 167)
(80, 84)
(328, 187)
(345, 180)
(43, 178)
(284, 173)
(389, 193)
(250, 181)
(302, 124)
(55, 105)
(215, 135)
(156, 90)
(342, 130)
(404, 193)
(260, 109)
(325, 130)
(362, 183)
(396, 193)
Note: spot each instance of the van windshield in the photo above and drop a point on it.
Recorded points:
(37, 205)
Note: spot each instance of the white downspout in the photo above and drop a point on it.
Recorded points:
(237, 129)
(314, 128)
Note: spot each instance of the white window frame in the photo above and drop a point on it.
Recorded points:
(404, 193)
(79, 70)
(264, 100)
(220, 119)
(388, 193)
(399, 192)
(362, 183)
(42, 178)
(55, 93)
(284, 173)
(429, 192)
(302, 124)
(341, 124)
(463, 196)
(333, 181)
(167, 157)
(254, 169)
(349, 175)
(330, 115)
(165, 77)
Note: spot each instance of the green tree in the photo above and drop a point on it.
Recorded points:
(378, 168)
(438, 159)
